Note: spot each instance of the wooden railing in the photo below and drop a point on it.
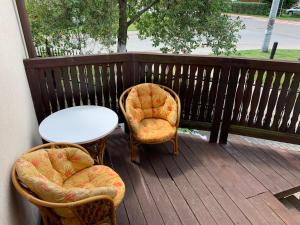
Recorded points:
(220, 94)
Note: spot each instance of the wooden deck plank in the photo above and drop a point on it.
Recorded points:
(132, 205)
(253, 169)
(158, 193)
(279, 209)
(193, 200)
(180, 205)
(269, 158)
(205, 184)
(225, 167)
(204, 194)
(146, 201)
(279, 182)
(218, 192)
(265, 210)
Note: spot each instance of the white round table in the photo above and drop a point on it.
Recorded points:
(85, 125)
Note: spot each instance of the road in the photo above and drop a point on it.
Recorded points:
(287, 33)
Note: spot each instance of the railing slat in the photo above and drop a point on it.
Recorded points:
(104, 77)
(170, 69)
(177, 77)
(67, 86)
(212, 94)
(91, 84)
(281, 101)
(112, 86)
(75, 85)
(163, 74)
(58, 86)
(51, 89)
(156, 73)
(82, 84)
(98, 84)
(197, 93)
(204, 95)
(149, 73)
(247, 96)
(255, 97)
(45, 99)
(239, 95)
(231, 90)
(182, 91)
(190, 91)
(120, 87)
(264, 98)
(272, 100)
(290, 102)
(295, 117)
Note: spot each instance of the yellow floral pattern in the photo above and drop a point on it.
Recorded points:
(67, 175)
(152, 113)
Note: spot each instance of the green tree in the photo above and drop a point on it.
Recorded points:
(285, 4)
(176, 25)
(68, 24)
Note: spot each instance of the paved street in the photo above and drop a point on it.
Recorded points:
(287, 33)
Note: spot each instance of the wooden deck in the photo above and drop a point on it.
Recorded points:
(206, 184)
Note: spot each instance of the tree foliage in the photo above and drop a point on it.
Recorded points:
(68, 24)
(285, 4)
(181, 26)
(174, 25)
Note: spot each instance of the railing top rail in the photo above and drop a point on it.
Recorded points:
(145, 57)
(75, 60)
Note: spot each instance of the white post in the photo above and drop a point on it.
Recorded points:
(268, 32)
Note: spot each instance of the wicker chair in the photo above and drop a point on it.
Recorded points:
(134, 140)
(95, 210)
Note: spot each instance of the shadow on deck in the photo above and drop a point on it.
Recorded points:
(206, 184)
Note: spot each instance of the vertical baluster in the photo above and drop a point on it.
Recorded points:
(255, 97)
(239, 95)
(272, 100)
(190, 91)
(212, 94)
(204, 95)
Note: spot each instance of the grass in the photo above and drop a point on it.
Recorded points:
(132, 27)
(281, 54)
(289, 18)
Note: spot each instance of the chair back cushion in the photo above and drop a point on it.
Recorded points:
(68, 161)
(150, 101)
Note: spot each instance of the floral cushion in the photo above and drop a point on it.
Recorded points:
(150, 101)
(98, 176)
(154, 130)
(41, 171)
(67, 161)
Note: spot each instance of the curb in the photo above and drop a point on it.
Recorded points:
(280, 21)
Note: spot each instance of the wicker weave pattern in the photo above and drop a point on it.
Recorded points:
(97, 212)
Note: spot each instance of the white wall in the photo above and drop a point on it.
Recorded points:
(18, 125)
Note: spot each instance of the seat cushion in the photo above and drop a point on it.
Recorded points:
(154, 130)
(149, 101)
(98, 176)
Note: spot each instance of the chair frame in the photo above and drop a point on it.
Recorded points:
(133, 143)
(79, 208)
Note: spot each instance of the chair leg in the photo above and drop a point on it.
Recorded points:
(133, 149)
(175, 145)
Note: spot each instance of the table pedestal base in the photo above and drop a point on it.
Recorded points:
(97, 149)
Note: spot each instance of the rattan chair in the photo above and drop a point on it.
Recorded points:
(96, 210)
(133, 142)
